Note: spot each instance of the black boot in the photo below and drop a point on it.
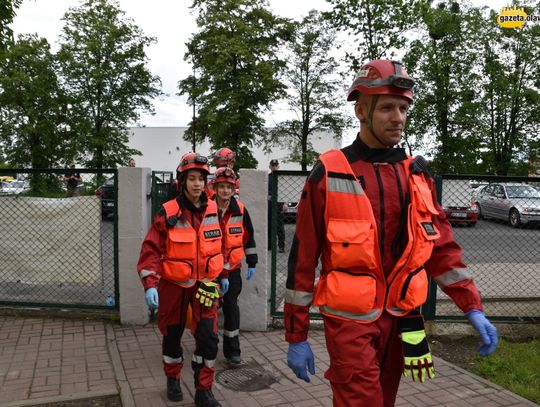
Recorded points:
(174, 390)
(205, 398)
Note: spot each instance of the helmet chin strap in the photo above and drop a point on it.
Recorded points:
(369, 123)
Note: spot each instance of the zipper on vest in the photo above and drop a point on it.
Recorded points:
(381, 201)
(408, 281)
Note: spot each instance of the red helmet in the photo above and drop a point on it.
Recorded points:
(223, 157)
(193, 161)
(225, 174)
(382, 77)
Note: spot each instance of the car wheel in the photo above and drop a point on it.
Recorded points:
(480, 216)
(513, 218)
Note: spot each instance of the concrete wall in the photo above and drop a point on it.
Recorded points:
(134, 207)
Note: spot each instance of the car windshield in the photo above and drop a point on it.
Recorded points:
(522, 191)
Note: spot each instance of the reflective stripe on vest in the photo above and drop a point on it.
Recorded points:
(233, 240)
(192, 256)
(352, 284)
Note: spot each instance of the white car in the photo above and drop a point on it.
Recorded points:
(14, 187)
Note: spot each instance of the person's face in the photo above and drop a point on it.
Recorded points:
(388, 120)
(224, 190)
(131, 163)
(274, 167)
(194, 185)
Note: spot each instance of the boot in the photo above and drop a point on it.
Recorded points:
(174, 390)
(205, 398)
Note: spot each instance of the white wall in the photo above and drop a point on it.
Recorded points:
(162, 148)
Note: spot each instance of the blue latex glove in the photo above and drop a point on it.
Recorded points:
(250, 272)
(298, 356)
(152, 299)
(488, 333)
(224, 285)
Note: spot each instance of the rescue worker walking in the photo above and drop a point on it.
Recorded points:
(371, 211)
(179, 263)
(238, 240)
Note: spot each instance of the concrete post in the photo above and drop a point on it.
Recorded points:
(134, 206)
(254, 298)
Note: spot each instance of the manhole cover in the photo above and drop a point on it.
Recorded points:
(249, 377)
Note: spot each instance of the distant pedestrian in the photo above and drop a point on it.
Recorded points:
(131, 162)
(72, 180)
(274, 166)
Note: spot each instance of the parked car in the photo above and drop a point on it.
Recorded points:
(106, 193)
(14, 187)
(289, 213)
(518, 204)
(457, 204)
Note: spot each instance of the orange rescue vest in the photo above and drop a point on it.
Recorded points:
(233, 239)
(191, 256)
(352, 284)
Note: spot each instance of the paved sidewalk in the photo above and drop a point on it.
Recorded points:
(46, 360)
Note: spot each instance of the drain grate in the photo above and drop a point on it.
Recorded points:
(249, 377)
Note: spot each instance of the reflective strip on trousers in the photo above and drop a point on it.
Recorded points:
(199, 360)
(231, 334)
(301, 298)
(172, 361)
(370, 316)
(251, 250)
(452, 276)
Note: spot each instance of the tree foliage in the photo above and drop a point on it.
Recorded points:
(104, 66)
(33, 108)
(235, 56)
(7, 13)
(377, 26)
(314, 93)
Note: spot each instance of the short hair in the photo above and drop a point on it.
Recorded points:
(274, 162)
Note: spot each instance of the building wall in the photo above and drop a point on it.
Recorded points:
(162, 148)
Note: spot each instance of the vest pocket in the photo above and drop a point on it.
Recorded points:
(235, 255)
(176, 270)
(352, 244)
(213, 267)
(354, 293)
(411, 291)
(181, 243)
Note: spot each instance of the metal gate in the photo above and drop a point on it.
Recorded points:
(59, 238)
(502, 253)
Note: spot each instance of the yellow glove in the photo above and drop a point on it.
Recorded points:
(207, 293)
(418, 360)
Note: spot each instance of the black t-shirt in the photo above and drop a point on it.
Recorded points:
(72, 182)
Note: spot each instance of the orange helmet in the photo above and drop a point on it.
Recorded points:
(191, 161)
(225, 174)
(223, 157)
(382, 77)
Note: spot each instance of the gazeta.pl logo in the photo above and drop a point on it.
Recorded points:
(514, 17)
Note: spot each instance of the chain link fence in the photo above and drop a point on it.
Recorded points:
(58, 242)
(496, 221)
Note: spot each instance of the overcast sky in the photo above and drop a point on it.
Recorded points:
(171, 22)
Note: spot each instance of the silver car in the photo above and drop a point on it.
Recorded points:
(519, 204)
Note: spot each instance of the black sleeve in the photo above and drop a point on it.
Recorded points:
(249, 241)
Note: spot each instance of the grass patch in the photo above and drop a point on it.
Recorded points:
(514, 366)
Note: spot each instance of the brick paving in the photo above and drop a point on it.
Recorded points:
(46, 360)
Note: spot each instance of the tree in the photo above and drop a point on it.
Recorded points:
(378, 25)
(33, 107)
(236, 58)
(510, 113)
(446, 103)
(103, 61)
(7, 13)
(314, 93)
